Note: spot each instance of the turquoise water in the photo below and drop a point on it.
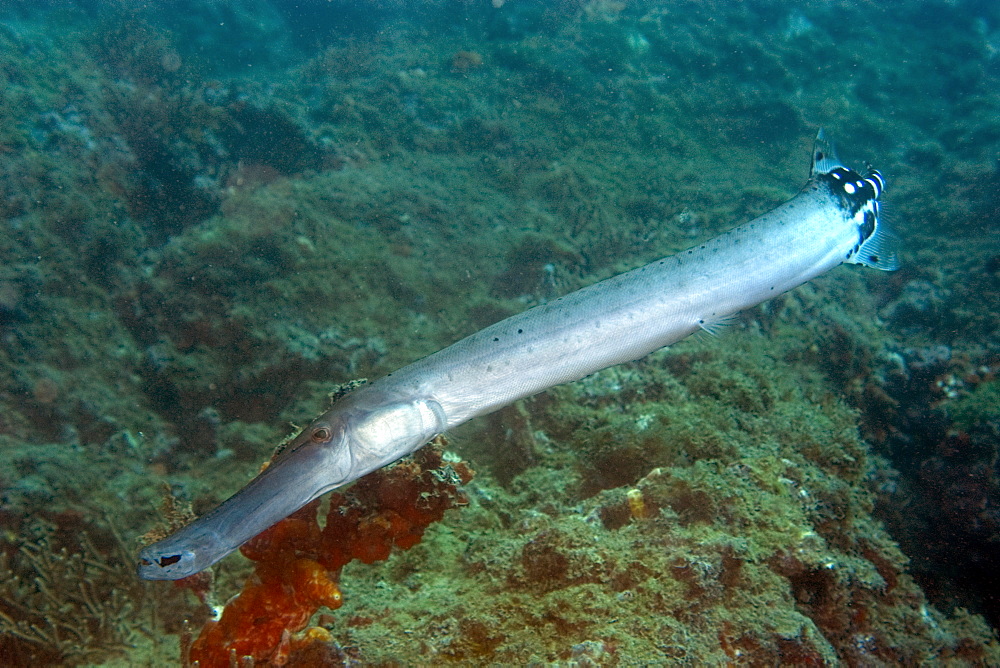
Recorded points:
(216, 213)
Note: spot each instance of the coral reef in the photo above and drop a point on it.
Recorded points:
(297, 563)
(63, 606)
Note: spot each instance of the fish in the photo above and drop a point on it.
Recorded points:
(833, 220)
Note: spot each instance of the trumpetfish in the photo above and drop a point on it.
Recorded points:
(833, 220)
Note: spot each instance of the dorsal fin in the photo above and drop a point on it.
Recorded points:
(824, 157)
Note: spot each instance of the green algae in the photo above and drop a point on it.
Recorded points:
(455, 199)
(741, 555)
(980, 406)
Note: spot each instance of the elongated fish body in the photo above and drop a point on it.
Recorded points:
(833, 220)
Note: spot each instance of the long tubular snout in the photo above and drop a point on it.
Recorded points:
(339, 447)
(276, 493)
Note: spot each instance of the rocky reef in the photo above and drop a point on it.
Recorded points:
(216, 214)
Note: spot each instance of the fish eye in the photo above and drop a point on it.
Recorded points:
(320, 435)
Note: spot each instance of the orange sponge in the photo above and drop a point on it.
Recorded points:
(297, 562)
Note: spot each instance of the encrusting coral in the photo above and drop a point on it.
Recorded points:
(297, 562)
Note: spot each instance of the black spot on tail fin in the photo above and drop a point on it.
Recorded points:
(879, 251)
(824, 157)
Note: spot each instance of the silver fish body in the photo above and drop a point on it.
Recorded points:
(833, 220)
